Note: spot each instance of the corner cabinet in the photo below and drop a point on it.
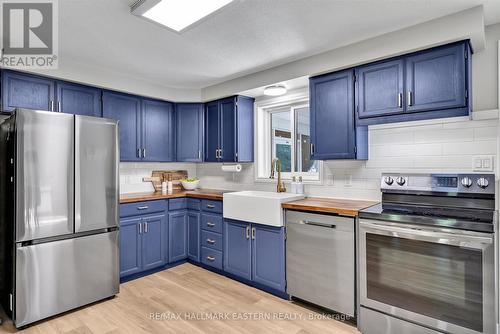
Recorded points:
(189, 125)
(229, 130)
(146, 127)
(334, 134)
(255, 253)
(434, 83)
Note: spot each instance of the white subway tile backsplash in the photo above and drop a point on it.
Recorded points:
(476, 147)
(444, 135)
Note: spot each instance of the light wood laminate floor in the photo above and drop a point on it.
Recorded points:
(181, 299)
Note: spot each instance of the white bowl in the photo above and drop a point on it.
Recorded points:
(190, 185)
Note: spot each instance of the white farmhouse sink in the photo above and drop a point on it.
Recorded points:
(261, 207)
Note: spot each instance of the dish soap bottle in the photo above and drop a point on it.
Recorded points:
(170, 185)
(164, 185)
(300, 186)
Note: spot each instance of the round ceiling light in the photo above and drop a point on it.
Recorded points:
(275, 90)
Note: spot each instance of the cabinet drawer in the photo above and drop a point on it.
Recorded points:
(177, 204)
(211, 240)
(193, 204)
(140, 208)
(211, 257)
(212, 223)
(211, 206)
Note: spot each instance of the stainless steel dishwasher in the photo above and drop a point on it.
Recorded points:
(320, 260)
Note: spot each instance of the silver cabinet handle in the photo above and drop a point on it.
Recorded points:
(217, 154)
(142, 207)
(312, 148)
(410, 98)
(146, 227)
(59, 109)
(400, 100)
(143, 152)
(138, 152)
(253, 233)
(210, 224)
(199, 155)
(211, 241)
(140, 228)
(51, 105)
(220, 153)
(247, 232)
(210, 258)
(210, 206)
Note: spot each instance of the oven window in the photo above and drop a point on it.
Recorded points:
(440, 281)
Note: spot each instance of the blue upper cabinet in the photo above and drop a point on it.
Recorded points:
(127, 110)
(78, 99)
(436, 79)
(21, 90)
(380, 88)
(333, 131)
(189, 132)
(237, 249)
(229, 130)
(212, 132)
(158, 132)
(434, 83)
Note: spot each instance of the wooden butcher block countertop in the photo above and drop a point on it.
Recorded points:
(150, 196)
(345, 207)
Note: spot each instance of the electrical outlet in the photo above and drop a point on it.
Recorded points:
(348, 180)
(483, 163)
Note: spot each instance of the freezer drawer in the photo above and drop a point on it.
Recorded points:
(96, 173)
(58, 276)
(320, 260)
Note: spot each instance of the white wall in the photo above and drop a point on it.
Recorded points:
(446, 145)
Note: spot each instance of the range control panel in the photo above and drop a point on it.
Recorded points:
(453, 183)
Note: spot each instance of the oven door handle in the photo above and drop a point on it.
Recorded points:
(446, 238)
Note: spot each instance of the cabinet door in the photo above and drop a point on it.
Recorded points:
(27, 91)
(177, 235)
(158, 132)
(436, 79)
(78, 99)
(380, 88)
(245, 129)
(212, 131)
(228, 129)
(127, 110)
(189, 127)
(237, 249)
(332, 116)
(152, 241)
(193, 226)
(130, 246)
(268, 256)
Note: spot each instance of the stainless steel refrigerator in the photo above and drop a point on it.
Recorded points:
(59, 213)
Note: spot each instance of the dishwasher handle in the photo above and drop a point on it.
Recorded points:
(313, 223)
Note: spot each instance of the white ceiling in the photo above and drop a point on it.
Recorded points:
(246, 37)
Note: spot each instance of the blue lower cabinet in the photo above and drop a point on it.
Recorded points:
(268, 256)
(130, 246)
(255, 253)
(211, 257)
(237, 249)
(177, 235)
(193, 238)
(153, 241)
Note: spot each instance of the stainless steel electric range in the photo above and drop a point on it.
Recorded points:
(427, 256)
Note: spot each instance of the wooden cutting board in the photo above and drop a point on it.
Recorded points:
(158, 176)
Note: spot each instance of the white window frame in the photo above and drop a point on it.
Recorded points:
(263, 137)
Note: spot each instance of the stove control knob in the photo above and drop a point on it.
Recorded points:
(466, 182)
(400, 180)
(388, 180)
(482, 182)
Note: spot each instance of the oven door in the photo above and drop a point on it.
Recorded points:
(439, 278)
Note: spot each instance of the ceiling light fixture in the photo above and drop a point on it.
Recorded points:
(177, 14)
(275, 90)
